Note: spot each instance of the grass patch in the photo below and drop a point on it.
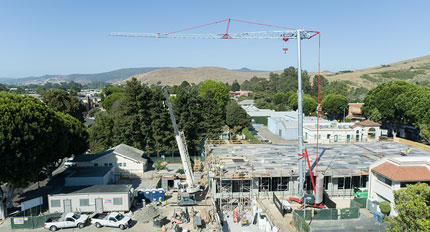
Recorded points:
(260, 120)
(250, 137)
(347, 82)
(400, 74)
(369, 78)
(424, 66)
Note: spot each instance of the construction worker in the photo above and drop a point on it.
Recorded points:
(163, 229)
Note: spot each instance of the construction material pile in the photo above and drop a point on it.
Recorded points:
(146, 214)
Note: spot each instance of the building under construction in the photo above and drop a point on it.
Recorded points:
(242, 172)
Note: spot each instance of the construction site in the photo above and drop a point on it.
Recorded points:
(241, 173)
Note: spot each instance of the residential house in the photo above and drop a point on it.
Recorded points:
(125, 160)
(354, 112)
(393, 173)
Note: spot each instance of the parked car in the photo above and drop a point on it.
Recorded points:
(113, 219)
(69, 163)
(67, 220)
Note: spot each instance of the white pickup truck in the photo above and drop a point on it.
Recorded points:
(66, 220)
(113, 219)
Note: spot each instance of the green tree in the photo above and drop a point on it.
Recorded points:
(101, 133)
(237, 118)
(33, 140)
(413, 207)
(335, 105)
(111, 99)
(133, 120)
(60, 101)
(219, 91)
(212, 117)
(185, 86)
(425, 132)
(163, 136)
(383, 102)
(309, 103)
(281, 98)
(108, 90)
(41, 90)
(3, 88)
(235, 86)
(323, 83)
(264, 103)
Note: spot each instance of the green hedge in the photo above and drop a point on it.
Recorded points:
(250, 137)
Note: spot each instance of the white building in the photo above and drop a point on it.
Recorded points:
(96, 198)
(335, 132)
(125, 160)
(392, 173)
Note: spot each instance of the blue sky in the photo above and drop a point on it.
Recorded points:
(65, 37)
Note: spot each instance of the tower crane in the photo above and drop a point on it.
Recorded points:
(283, 33)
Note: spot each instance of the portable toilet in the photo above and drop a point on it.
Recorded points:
(154, 195)
(161, 194)
(147, 195)
(140, 196)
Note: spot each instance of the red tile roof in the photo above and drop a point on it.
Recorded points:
(355, 108)
(403, 173)
(367, 123)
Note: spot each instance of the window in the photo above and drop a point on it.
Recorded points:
(347, 182)
(55, 203)
(384, 180)
(84, 202)
(340, 183)
(120, 164)
(124, 164)
(335, 138)
(96, 164)
(106, 164)
(70, 219)
(328, 136)
(110, 164)
(117, 201)
(371, 133)
(306, 135)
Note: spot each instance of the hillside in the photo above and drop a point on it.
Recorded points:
(111, 76)
(413, 70)
(175, 76)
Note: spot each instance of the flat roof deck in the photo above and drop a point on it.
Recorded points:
(281, 160)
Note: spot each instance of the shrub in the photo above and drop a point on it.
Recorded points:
(385, 207)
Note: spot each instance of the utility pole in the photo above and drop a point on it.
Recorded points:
(300, 113)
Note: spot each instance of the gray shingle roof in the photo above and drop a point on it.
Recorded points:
(91, 157)
(130, 152)
(90, 171)
(115, 188)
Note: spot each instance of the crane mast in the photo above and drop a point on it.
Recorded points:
(192, 187)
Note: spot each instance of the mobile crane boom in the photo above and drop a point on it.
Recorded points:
(192, 187)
